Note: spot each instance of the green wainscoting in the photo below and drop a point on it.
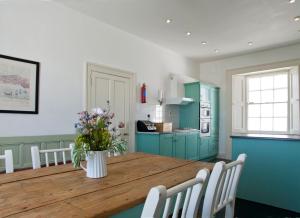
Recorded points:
(20, 147)
(272, 171)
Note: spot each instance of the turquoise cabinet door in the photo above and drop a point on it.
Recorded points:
(192, 146)
(148, 143)
(189, 114)
(166, 145)
(215, 105)
(179, 145)
(203, 147)
(213, 146)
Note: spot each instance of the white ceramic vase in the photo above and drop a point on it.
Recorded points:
(96, 164)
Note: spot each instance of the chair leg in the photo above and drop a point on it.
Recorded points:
(229, 212)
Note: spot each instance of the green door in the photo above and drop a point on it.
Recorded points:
(203, 147)
(147, 143)
(179, 145)
(166, 145)
(192, 146)
(213, 146)
(215, 105)
(189, 114)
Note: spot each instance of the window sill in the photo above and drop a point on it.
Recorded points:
(266, 136)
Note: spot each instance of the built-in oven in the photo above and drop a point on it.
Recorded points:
(204, 110)
(205, 119)
(205, 127)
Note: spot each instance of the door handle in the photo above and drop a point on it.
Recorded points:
(126, 134)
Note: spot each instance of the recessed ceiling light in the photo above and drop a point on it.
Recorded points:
(217, 50)
(188, 33)
(203, 42)
(297, 18)
(168, 20)
(292, 1)
(250, 43)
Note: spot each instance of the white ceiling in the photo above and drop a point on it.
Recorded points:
(227, 25)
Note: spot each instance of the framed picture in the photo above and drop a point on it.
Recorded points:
(19, 85)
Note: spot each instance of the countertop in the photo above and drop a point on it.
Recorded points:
(65, 191)
(265, 136)
(174, 131)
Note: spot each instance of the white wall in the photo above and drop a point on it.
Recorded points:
(215, 72)
(63, 40)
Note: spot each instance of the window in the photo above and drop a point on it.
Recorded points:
(267, 102)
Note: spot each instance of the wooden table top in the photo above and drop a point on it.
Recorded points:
(64, 191)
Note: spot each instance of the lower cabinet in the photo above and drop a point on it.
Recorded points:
(192, 151)
(166, 145)
(148, 143)
(179, 145)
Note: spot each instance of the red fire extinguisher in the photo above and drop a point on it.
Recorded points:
(143, 93)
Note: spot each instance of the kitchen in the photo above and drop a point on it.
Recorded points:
(125, 99)
(194, 135)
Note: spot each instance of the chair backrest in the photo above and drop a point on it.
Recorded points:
(221, 188)
(9, 162)
(35, 155)
(160, 199)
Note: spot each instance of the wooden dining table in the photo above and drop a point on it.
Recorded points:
(63, 191)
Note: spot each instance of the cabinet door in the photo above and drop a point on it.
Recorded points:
(147, 143)
(203, 147)
(192, 146)
(213, 146)
(166, 145)
(204, 93)
(189, 114)
(215, 110)
(179, 145)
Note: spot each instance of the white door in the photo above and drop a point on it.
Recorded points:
(106, 86)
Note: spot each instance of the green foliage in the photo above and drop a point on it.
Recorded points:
(95, 135)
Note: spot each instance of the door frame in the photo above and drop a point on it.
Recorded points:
(90, 67)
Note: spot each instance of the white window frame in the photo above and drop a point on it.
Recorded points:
(258, 75)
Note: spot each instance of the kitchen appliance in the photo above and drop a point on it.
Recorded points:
(205, 119)
(164, 127)
(176, 93)
(145, 126)
(205, 110)
(205, 127)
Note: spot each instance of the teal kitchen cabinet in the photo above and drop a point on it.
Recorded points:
(192, 152)
(190, 112)
(180, 145)
(166, 145)
(148, 143)
(203, 144)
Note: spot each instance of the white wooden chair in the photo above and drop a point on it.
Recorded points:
(160, 199)
(221, 188)
(35, 155)
(9, 161)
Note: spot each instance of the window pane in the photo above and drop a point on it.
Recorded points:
(267, 82)
(267, 110)
(267, 96)
(253, 84)
(254, 97)
(280, 95)
(280, 124)
(253, 123)
(280, 110)
(266, 124)
(254, 110)
(281, 81)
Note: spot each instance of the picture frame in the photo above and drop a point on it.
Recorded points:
(19, 85)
